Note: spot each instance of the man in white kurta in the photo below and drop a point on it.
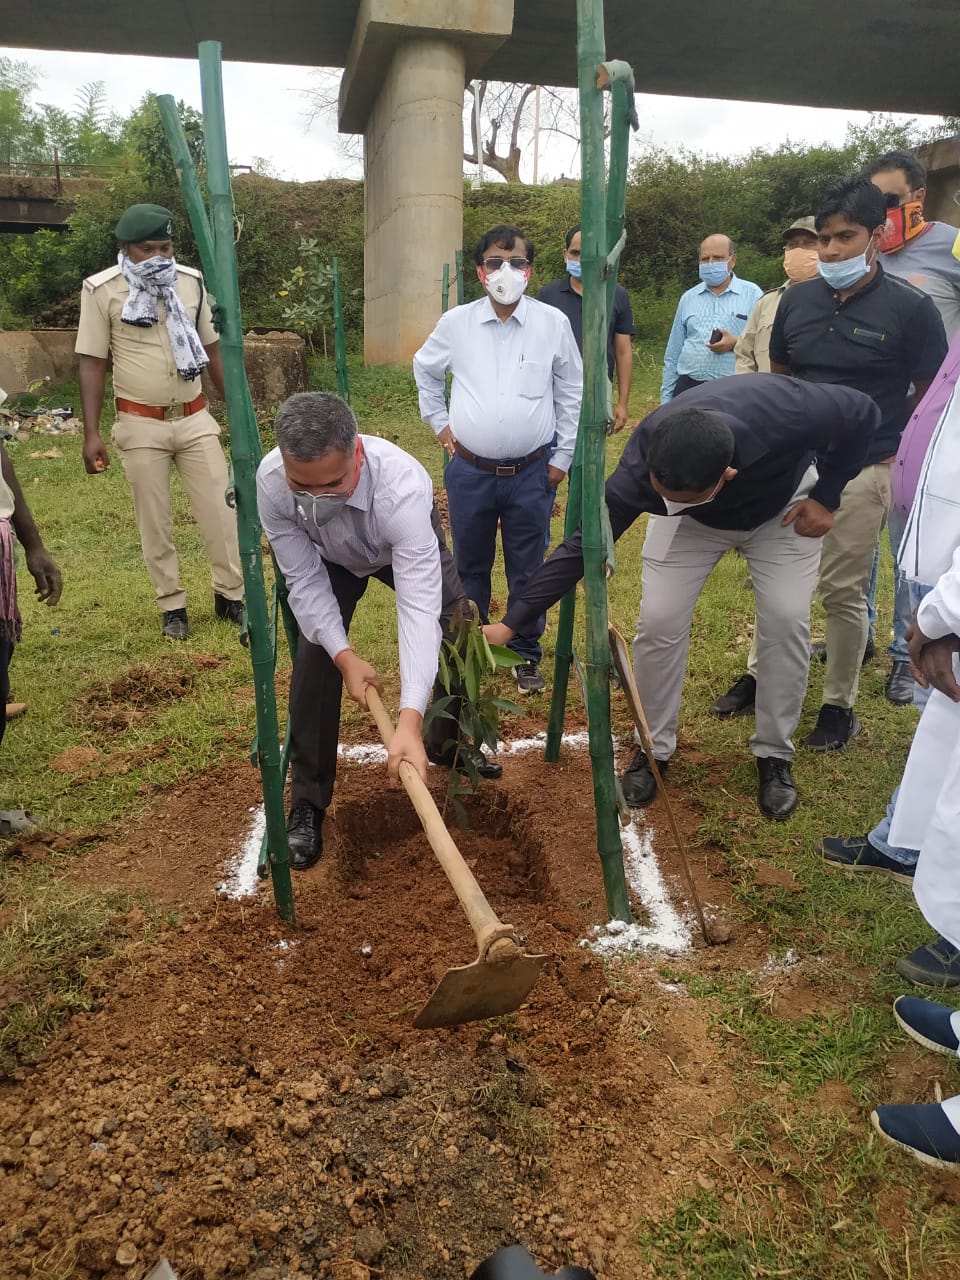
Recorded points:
(927, 817)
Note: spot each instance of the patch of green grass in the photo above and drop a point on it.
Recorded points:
(52, 939)
(806, 1195)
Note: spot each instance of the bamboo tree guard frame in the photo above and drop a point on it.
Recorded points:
(601, 238)
(215, 240)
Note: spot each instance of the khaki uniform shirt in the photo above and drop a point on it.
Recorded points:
(753, 346)
(144, 369)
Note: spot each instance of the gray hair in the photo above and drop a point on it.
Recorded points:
(312, 423)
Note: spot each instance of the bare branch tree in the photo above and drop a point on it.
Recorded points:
(504, 108)
(502, 111)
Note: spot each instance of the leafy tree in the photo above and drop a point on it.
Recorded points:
(22, 135)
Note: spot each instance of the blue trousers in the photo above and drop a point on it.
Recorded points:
(522, 504)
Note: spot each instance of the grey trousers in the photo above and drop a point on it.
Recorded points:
(678, 556)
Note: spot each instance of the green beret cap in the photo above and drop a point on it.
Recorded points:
(144, 222)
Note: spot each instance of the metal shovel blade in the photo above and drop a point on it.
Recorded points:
(480, 990)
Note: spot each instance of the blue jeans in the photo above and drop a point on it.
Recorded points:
(878, 837)
(522, 503)
(902, 608)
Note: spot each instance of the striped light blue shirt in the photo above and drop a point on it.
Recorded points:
(699, 312)
(386, 522)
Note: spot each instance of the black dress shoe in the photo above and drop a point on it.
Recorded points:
(304, 837)
(638, 784)
(231, 611)
(777, 795)
(174, 625)
(738, 700)
(900, 685)
(484, 766)
(836, 728)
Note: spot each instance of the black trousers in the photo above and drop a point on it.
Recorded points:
(316, 686)
(684, 383)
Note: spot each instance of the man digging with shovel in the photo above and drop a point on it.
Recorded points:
(338, 509)
(727, 464)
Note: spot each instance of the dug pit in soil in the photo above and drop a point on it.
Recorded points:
(252, 1101)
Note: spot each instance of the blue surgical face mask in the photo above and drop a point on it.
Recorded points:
(714, 273)
(845, 274)
(574, 268)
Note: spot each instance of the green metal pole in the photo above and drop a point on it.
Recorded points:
(246, 453)
(339, 337)
(458, 267)
(590, 54)
(563, 651)
(621, 117)
(189, 185)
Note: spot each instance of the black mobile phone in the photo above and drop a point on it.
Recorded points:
(716, 335)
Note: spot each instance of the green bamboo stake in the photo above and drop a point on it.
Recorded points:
(458, 268)
(339, 337)
(590, 55)
(445, 288)
(563, 647)
(622, 116)
(215, 239)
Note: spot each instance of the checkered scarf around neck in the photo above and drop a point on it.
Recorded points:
(156, 278)
(9, 613)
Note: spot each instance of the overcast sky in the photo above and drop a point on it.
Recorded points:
(265, 108)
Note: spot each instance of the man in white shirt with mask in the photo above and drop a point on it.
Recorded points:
(510, 428)
(339, 509)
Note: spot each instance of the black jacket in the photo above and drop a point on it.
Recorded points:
(779, 426)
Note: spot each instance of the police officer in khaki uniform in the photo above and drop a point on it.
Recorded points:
(151, 314)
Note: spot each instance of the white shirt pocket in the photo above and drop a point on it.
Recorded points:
(533, 379)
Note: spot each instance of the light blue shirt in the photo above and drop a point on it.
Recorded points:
(386, 522)
(517, 383)
(699, 312)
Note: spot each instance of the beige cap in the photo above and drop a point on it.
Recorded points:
(801, 224)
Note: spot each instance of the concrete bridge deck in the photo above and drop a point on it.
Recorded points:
(886, 55)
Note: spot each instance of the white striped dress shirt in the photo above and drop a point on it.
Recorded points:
(517, 383)
(385, 522)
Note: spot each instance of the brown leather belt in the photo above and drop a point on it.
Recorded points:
(169, 414)
(502, 469)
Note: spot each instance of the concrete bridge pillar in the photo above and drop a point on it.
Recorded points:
(403, 89)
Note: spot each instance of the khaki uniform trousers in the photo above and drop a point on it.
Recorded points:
(678, 556)
(845, 568)
(148, 448)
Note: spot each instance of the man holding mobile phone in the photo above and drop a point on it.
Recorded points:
(709, 319)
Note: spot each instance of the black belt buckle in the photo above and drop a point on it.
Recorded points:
(506, 472)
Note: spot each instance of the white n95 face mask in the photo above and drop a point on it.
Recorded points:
(506, 284)
(677, 508)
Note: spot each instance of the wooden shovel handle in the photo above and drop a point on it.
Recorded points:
(495, 941)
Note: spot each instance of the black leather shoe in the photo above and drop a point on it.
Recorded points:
(900, 685)
(738, 700)
(638, 783)
(777, 795)
(836, 728)
(175, 625)
(231, 611)
(486, 768)
(304, 836)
